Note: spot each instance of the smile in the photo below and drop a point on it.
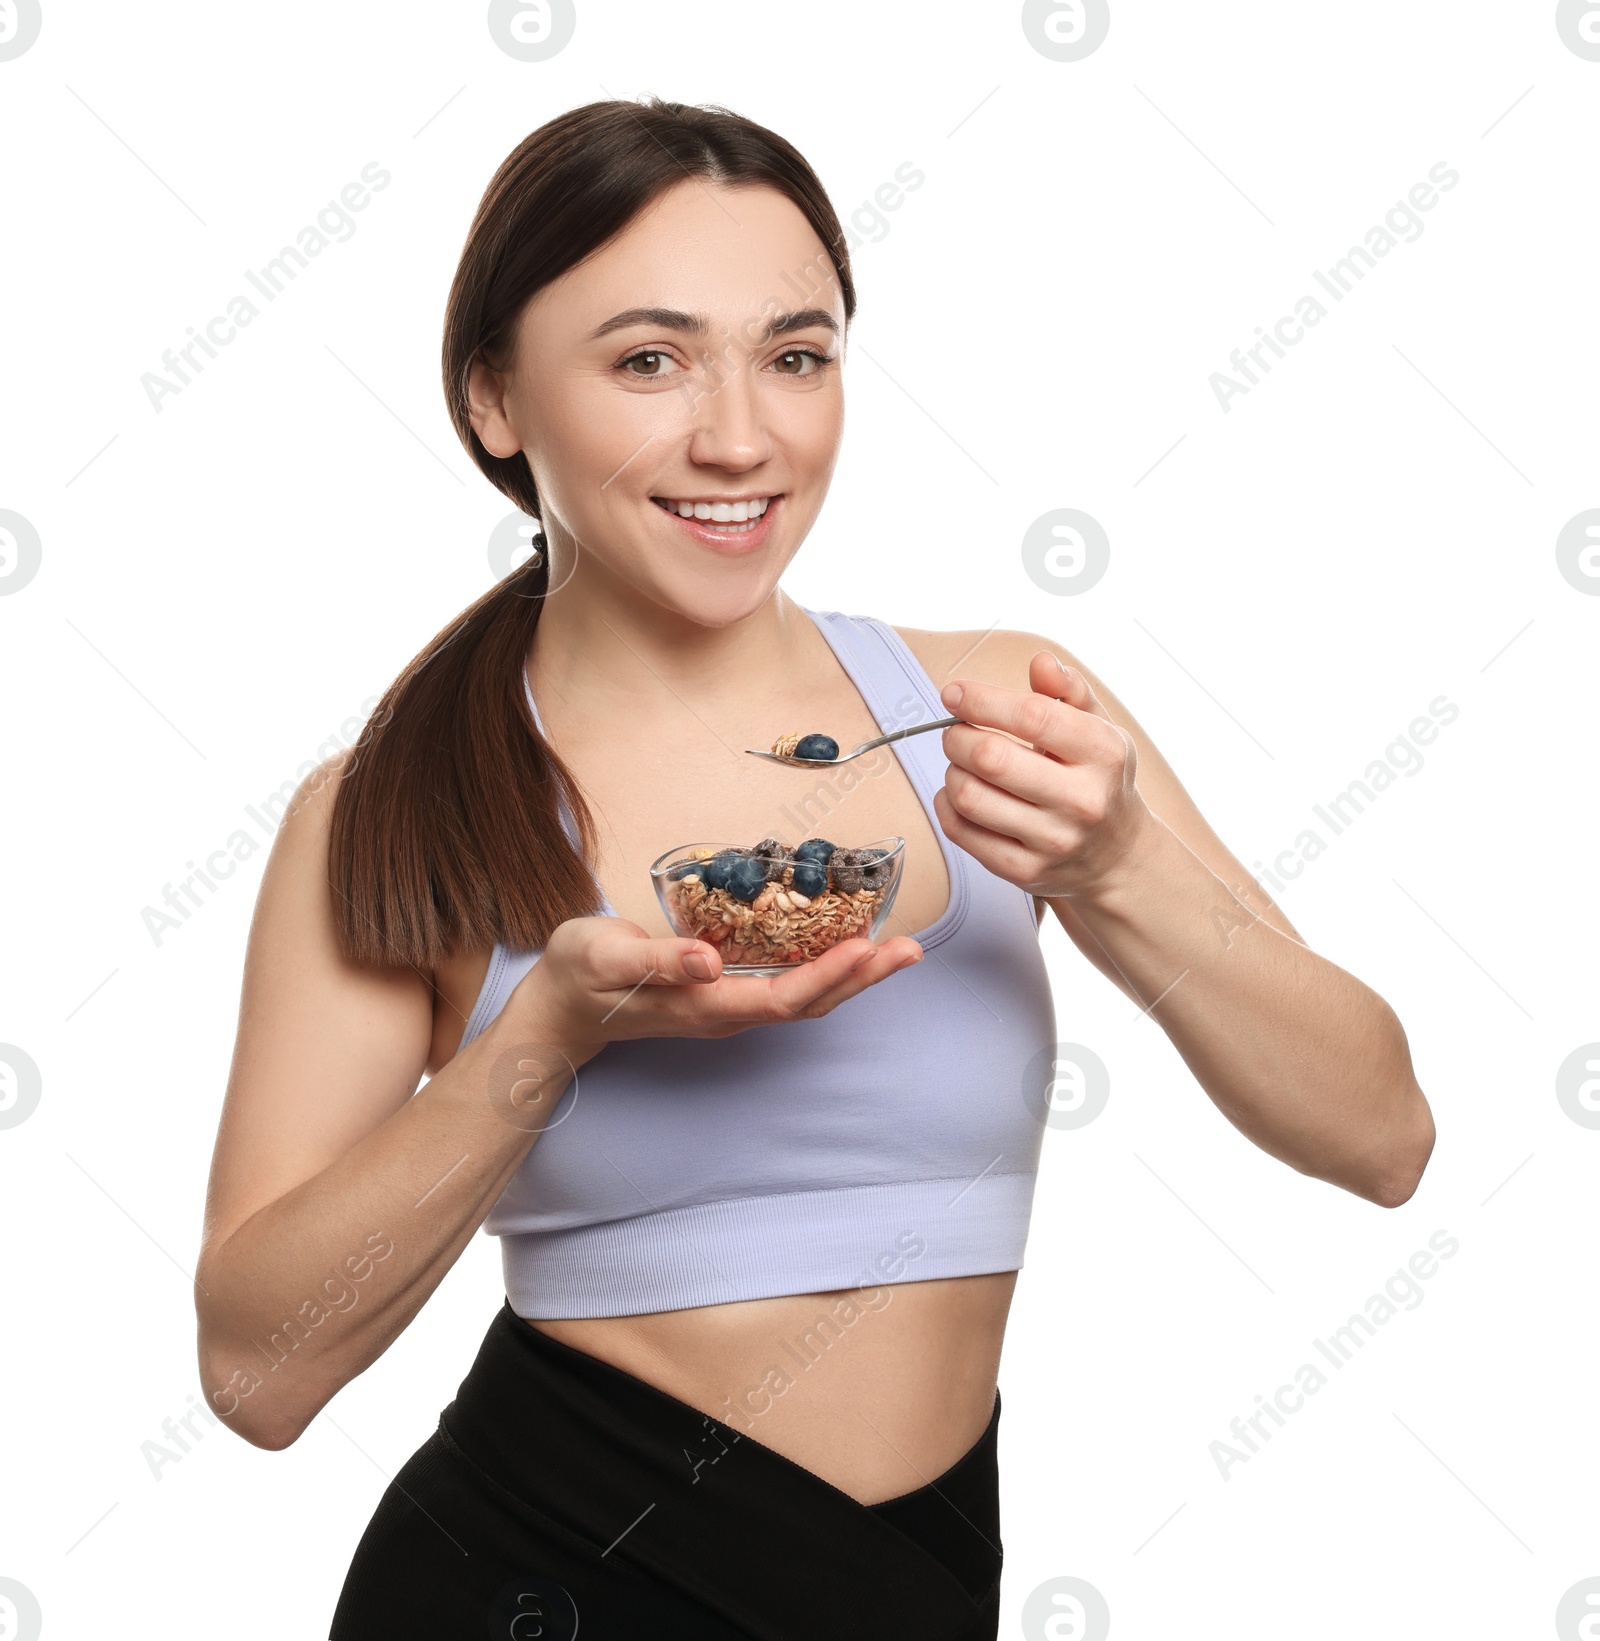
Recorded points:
(729, 518)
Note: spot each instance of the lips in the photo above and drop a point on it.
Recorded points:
(697, 517)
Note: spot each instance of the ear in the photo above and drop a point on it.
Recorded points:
(488, 412)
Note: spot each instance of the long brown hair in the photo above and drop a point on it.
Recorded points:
(446, 831)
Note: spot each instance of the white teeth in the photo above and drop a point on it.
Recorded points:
(720, 512)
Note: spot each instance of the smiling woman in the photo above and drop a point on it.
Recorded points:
(702, 1180)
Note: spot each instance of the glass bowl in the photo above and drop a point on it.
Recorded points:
(756, 931)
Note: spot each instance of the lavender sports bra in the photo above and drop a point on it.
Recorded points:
(895, 1139)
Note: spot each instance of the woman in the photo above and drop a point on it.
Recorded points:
(760, 1233)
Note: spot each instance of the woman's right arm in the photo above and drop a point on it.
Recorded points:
(340, 1194)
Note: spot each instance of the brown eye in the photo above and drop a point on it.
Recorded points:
(654, 361)
(795, 361)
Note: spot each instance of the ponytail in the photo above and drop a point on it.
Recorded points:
(447, 829)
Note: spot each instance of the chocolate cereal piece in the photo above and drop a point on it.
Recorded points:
(844, 871)
(777, 857)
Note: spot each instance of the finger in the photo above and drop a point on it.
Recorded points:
(1028, 774)
(684, 962)
(625, 956)
(1003, 855)
(902, 952)
(1050, 675)
(1074, 734)
(1034, 826)
(785, 996)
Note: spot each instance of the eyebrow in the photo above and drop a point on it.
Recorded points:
(697, 324)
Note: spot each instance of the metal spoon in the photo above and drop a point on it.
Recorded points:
(866, 746)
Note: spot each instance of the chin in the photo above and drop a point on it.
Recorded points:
(716, 602)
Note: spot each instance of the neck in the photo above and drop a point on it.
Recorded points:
(609, 642)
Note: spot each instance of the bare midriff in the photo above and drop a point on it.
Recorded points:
(877, 1391)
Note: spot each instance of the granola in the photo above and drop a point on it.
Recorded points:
(780, 925)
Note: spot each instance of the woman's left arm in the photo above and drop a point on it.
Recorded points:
(1081, 809)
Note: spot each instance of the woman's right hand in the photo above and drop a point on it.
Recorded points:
(602, 979)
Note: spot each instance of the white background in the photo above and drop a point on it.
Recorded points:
(225, 582)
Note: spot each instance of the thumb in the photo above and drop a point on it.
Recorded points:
(685, 962)
(617, 954)
(667, 960)
(1059, 679)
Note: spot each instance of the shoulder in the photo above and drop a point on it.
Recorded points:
(298, 862)
(992, 655)
(309, 808)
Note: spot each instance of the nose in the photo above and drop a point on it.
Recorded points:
(727, 418)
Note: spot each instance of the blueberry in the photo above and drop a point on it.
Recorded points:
(746, 878)
(817, 849)
(810, 878)
(821, 747)
(716, 870)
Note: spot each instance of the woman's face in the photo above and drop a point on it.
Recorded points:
(653, 373)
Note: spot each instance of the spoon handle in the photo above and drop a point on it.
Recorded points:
(915, 729)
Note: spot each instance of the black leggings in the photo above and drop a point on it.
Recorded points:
(562, 1496)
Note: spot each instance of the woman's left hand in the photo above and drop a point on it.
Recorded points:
(1056, 817)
